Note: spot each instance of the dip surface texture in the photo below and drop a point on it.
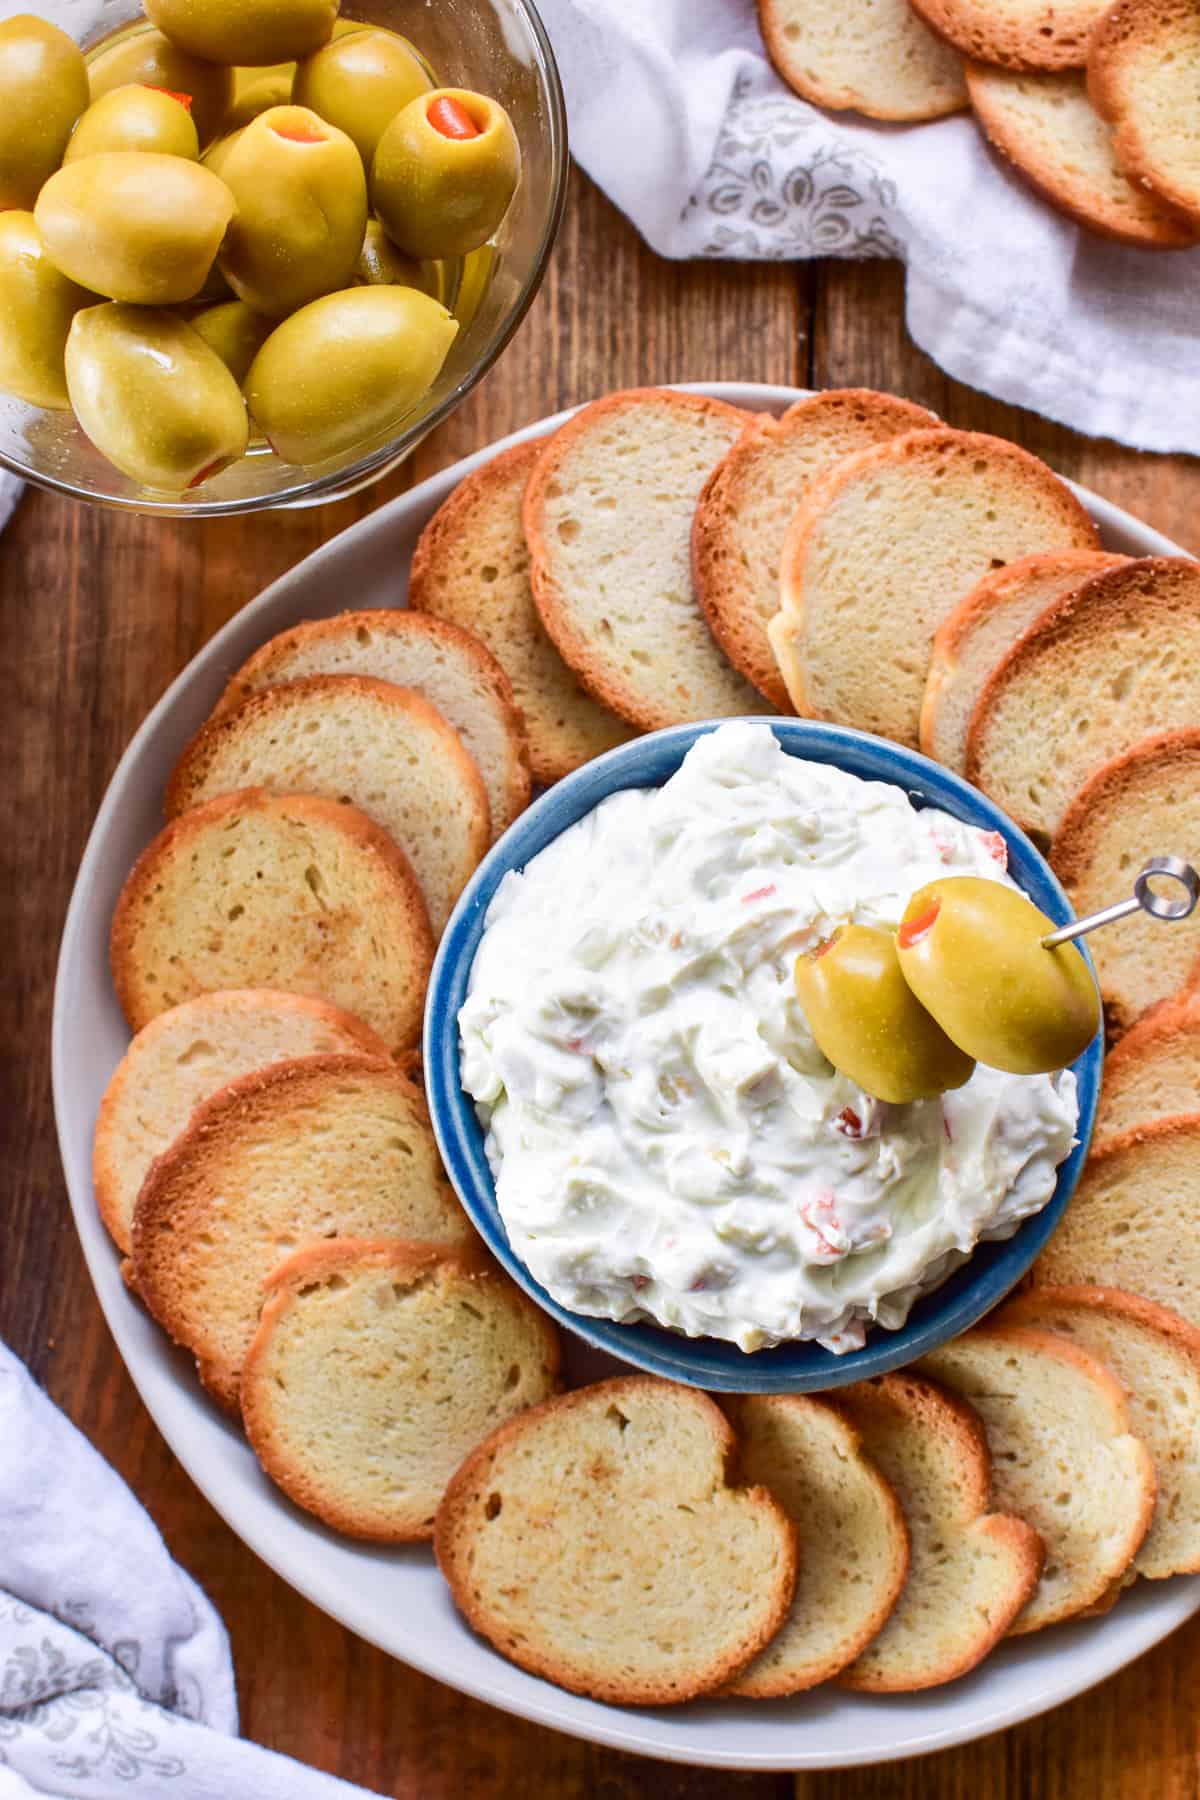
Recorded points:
(668, 1143)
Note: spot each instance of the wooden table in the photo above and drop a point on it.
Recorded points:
(97, 613)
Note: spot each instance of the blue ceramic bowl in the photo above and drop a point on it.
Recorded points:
(708, 1362)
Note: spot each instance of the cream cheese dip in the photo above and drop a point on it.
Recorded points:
(668, 1144)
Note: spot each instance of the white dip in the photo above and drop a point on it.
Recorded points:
(667, 1141)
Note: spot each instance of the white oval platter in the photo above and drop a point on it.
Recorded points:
(395, 1598)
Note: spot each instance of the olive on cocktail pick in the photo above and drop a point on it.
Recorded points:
(971, 951)
(869, 1023)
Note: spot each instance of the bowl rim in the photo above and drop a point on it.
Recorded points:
(338, 484)
(978, 1285)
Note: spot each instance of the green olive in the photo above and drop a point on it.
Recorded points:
(301, 210)
(867, 1021)
(380, 264)
(440, 194)
(215, 285)
(250, 77)
(134, 225)
(136, 117)
(146, 56)
(344, 27)
(476, 274)
(272, 89)
(37, 304)
(360, 83)
(234, 331)
(215, 288)
(971, 952)
(346, 371)
(218, 150)
(152, 396)
(245, 31)
(43, 90)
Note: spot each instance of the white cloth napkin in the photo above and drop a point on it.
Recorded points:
(675, 112)
(115, 1672)
(11, 489)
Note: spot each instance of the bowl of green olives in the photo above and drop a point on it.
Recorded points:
(965, 951)
(252, 251)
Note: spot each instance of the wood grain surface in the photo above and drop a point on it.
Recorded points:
(97, 613)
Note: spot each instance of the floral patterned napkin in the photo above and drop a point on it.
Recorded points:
(675, 112)
(115, 1672)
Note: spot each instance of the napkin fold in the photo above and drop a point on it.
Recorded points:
(115, 1671)
(676, 113)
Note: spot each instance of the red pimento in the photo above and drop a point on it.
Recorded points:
(821, 1211)
(451, 118)
(848, 1123)
(185, 100)
(218, 462)
(302, 133)
(996, 847)
(763, 893)
(912, 930)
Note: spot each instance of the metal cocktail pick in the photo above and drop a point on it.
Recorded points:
(1144, 899)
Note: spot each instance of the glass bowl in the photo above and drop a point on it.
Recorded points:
(497, 46)
(972, 1290)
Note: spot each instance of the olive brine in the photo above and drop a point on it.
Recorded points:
(236, 221)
